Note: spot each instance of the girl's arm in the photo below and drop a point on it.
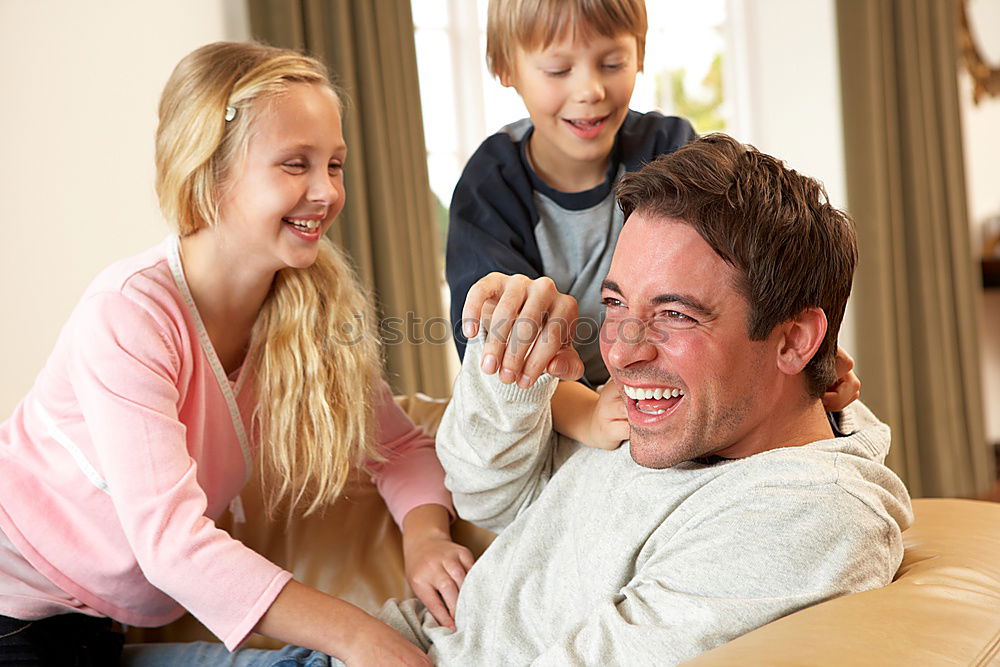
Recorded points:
(306, 617)
(411, 481)
(123, 368)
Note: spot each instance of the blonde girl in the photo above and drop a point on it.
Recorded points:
(243, 340)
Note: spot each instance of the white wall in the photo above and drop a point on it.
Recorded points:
(786, 74)
(981, 135)
(81, 83)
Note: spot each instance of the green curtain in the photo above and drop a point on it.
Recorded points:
(916, 287)
(387, 224)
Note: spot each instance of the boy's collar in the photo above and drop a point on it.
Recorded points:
(573, 201)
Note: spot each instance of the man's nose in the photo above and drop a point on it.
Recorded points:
(630, 343)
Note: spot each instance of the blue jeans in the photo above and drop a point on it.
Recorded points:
(207, 654)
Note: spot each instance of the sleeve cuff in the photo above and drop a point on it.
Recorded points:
(246, 626)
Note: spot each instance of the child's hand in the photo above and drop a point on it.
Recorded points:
(435, 568)
(375, 643)
(529, 325)
(846, 389)
(609, 420)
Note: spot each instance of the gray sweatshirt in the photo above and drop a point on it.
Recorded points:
(600, 561)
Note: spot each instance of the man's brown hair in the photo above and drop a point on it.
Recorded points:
(790, 248)
(534, 24)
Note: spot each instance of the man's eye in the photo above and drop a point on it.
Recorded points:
(611, 302)
(679, 317)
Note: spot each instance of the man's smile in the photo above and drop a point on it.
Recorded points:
(646, 404)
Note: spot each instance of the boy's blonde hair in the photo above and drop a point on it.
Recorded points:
(537, 24)
(313, 351)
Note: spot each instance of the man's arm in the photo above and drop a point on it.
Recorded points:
(735, 568)
(495, 443)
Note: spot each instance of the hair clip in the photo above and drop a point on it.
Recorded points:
(230, 113)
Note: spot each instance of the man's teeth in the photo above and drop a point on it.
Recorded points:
(649, 393)
(304, 225)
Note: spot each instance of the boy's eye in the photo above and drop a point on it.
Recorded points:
(294, 165)
(335, 167)
(613, 66)
(557, 72)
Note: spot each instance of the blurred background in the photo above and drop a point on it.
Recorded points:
(806, 80)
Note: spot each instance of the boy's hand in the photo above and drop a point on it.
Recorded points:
(435, 566)
(529, 326)
(609, 421)
(846, 389)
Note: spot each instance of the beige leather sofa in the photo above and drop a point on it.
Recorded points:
(942, 609)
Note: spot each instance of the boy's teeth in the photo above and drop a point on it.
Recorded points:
(586, 124)
(648, 393)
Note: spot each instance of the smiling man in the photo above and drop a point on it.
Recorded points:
(725, 296)
(737, 500)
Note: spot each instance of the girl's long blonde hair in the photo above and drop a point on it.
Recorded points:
(313, 350)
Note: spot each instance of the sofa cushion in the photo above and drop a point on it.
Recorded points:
(942, 608)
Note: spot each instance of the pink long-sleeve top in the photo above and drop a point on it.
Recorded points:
(128, 447)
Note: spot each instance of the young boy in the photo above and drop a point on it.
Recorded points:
(537, 197)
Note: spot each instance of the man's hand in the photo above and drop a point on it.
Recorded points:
(529, 326)
(435, 566)
(847, 387)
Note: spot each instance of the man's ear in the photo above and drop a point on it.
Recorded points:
(800, 338)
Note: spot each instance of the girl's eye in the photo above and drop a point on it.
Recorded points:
(295, 165)
(335, 167)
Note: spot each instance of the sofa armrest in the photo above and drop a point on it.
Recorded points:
(942, 608)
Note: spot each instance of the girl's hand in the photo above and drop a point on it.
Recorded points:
(375, 643)
(307, 617)
(846, 389)
(609, 420)
(529, 328)
(435, 566)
